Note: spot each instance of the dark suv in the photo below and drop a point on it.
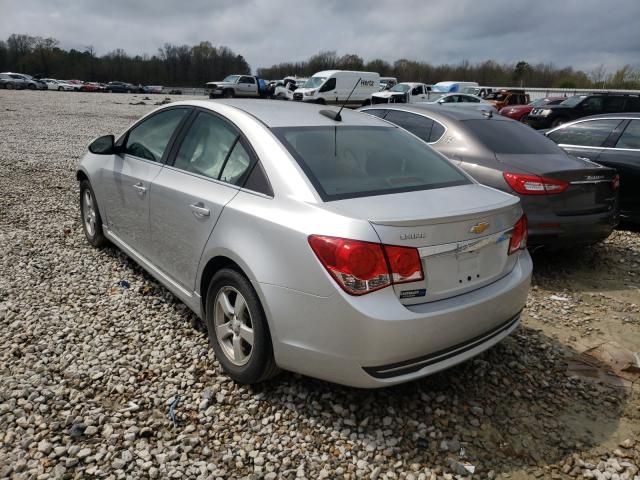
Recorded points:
(578, 106)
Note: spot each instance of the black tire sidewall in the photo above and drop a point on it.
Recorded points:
(262, 354)
(558, 121)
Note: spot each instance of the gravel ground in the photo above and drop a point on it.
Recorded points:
(89, 370)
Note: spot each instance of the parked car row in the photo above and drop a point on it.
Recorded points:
(20, 81)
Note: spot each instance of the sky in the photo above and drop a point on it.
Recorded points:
(583, 34)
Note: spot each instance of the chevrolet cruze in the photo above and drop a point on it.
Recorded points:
(334, 245)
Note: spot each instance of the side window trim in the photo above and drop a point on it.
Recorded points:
(122, 141)
(615, 135)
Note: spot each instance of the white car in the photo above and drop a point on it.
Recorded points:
(462, 100)
(60, 85)
(284, 88)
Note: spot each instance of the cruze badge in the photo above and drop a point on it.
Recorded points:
(478, 228)
(411, 236)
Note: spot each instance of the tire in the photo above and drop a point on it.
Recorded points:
(9, 86)
(366, 103)
(524, 119)
(60, 89)
(243, 362)
(558, 121)
(211, 96)
(321, 101)
(32, 86)
(90, 216)
(228, 94)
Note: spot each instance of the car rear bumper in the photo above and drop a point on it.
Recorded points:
(374, 341)
(556, 231)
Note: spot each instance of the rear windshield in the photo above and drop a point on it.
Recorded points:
(357, 161)
(510, 137)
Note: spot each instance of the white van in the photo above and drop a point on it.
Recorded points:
(334, 86)
(450, 87)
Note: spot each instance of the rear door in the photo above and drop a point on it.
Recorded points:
(127, 178)
(207, 167)
(624, 156)
(584, 139)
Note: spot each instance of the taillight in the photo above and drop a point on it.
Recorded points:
(533, 184)
(615, 183)
(518, 236)
(363, 267)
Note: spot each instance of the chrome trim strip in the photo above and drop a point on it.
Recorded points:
(584, 182)
(562, 145)
(466, 246)
(146, 264)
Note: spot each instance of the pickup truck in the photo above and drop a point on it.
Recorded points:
(406, 92)
(238, 86)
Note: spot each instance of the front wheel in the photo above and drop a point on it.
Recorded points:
(9, 86)
(32, 86)
(90, 216)
(525, 119)
(237, 328)
(228, 94)
(557, 122)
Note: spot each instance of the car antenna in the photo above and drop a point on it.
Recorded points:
(332, 114)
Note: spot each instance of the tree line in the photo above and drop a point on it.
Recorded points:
(172, 65)
(193, 66)
(488, 72)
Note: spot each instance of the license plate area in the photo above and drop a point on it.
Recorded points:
(456, 268)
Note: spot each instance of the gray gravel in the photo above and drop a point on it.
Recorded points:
(88, 369)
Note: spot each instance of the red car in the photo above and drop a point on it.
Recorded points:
(90, 87)
(521, 112)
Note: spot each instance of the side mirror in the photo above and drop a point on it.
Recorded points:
(104, 145)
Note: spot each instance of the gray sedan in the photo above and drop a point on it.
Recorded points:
(568, 201)
(342, 248)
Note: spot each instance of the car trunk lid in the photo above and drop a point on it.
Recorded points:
(462, 235)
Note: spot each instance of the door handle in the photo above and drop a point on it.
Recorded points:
(199, 210)
(141, 188)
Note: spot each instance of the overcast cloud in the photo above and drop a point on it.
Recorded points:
(578, 33)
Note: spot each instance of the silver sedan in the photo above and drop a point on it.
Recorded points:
(340, 247)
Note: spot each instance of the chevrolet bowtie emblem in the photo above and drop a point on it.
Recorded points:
(479, 228)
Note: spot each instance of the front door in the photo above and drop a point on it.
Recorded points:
(127, 177)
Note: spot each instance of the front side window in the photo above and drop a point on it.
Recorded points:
(593, 104)
(631, 136)
(330, 85)
(150, 138)
(206, 146)
(591, 133)
(359, 161)
(417, 91)
(510, 137)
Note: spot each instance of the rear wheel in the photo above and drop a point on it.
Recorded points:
(10, 86)
(524, 118)
(90, 216)
(237, 328)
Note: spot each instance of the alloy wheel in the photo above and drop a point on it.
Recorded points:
(89, 212)
(233, 325)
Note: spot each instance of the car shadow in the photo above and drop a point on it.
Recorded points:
(512, 408)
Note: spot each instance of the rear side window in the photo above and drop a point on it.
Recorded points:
(376, 113)
(358, 161)
(237, 166)
(591, 133)
(631, 136)
(150, 138)
(510, 137)
(206, 146)
(417, 124)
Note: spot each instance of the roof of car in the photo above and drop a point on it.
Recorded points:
(633, 115)
(438, 111)
(291, 114)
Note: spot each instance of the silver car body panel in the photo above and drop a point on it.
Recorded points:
(316, 327)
